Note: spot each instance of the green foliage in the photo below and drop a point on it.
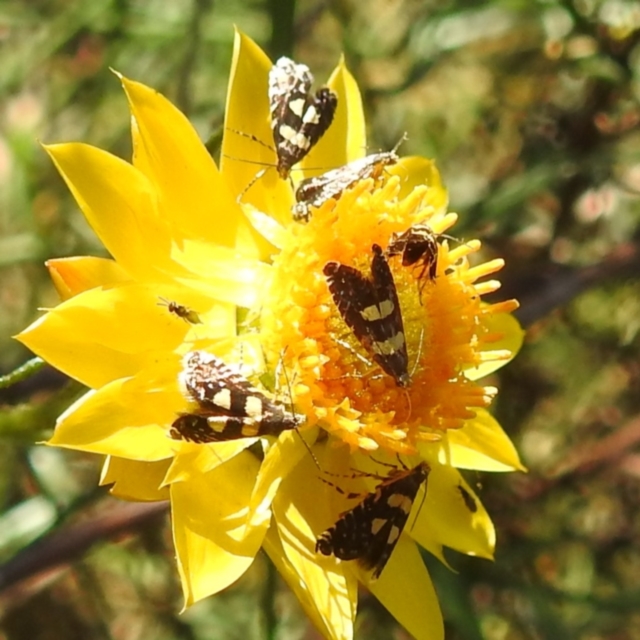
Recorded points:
(531, 111)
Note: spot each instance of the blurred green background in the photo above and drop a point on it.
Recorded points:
(531, 109)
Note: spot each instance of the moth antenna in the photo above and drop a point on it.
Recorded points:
(415, 367)
(252, 137)
(404, 466)
(386, 464)
(304, 442)
(424, 497)
(403, 138)
(255, 179)
(355, 473)
(269, 165)
(343, 343)
(272, 165)
(349, 495)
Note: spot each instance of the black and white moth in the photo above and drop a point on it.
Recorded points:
(371, 309)
(369, 531)
(315, 191)
(187, 314)
(298, 118)
(229, 406)
(417, 244)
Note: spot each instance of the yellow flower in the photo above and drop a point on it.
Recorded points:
(200, 262)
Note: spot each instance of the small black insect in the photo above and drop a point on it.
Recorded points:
(314, 192)
(370, 531)
(371, 309)
(188, 315)
(229, 406)
(469, 500)
(298, 118)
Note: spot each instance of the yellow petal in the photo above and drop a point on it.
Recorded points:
(277, 464)
(134, 480)
(193, 458)
(415, 171)
(427, 540)
(481, 444)
(327, 592)
(223, 274)
(406, 591)
(105, 334)
(445, 516)
(209, 514)
(128, 418)
(119, 204)
(192, 196)
(267, 227)
(511, 340)
(345, 140)
(72, 276)
(247, 116)
(328, 598)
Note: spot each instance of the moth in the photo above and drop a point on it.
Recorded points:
(298, 118)
(315, 191)
(370, 307)
(369, 532)
(229, 406)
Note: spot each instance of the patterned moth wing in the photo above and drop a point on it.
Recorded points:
(229, 406)
(417, 244)
(371, 309)
(206, 427)
(298, 118)
(315, 191)
(370, 531)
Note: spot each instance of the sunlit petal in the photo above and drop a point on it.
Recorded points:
(213, 544)
(481, 444)
(72, 276)
(467, 527)
(509, 338)
(406, 591)
(119, 203)
(174, 159)
(127, 418)
(135, 480)
(331, 591)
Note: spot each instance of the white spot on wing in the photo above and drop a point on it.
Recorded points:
(297, 107)
(378, 311)
(390, 346)
(253, 408)
(222, 399)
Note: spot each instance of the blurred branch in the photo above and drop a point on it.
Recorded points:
(34, 421)
(548, 289)
(616, 448)
(194, 41)
(21, 373)
(63, 546)
(281, 13)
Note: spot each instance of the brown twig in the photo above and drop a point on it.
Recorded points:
(30, 566)
(554, 288)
